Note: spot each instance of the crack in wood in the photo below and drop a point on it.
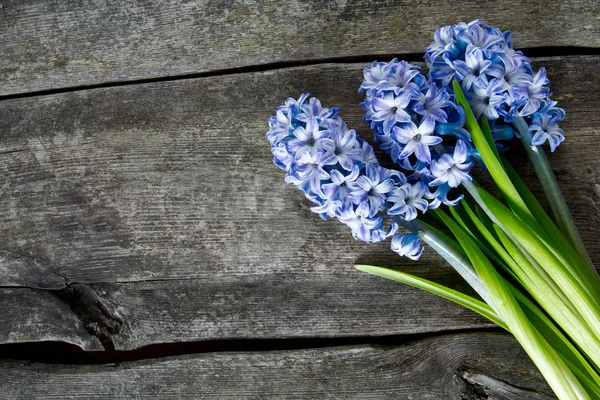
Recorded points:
(20, 150)
(536, 52)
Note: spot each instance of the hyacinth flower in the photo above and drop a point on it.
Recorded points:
(334, 168)
(501, 85)
(532, 271)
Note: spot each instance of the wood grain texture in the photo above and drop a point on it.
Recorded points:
(160, 201)
(49, 44)
(467, 367)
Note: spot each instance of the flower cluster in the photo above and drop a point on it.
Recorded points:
(339, 172)
(410, 117)
(417, 121)
(498, 81)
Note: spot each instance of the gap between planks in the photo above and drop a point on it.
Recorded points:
(65, 353)
(470, 366)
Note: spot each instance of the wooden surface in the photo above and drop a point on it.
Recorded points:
(149, 214)
(62, 44)
(174, 215)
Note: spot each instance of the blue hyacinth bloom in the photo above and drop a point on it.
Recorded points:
(369, 191)
(498, 81)
(476, 68)
(415, 143)
(374, 76)
(335, 168)
(417, 140)
(310, 139)
(444, 43)
(432, 104)
(408, 119)
(338, 189)
(367, 229)
(440, 196)
(549, 107)
(407, 199)
(544, 129)
(314, 109)
(390, 110)
(407, 245)
(452, 169)
(310, 171)
(403, 78)
(343, 147)
(534, 93)
(485, 99)
(517, 77)
(476, 35)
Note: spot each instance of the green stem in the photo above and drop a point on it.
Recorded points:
(558, 206)
(450, 251)
(583, 328)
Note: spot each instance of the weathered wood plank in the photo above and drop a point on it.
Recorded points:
(48, 45)
(468, 367)
(162, 201)
(272, 306)
(28, 315)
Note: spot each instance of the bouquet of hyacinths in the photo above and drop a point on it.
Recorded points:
(531, 271)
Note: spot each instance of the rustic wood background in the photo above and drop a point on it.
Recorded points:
(149, 248)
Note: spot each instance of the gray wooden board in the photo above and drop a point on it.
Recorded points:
(466, 366)
(56, 44)
(161, 200)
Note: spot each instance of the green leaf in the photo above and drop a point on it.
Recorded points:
(441, 237)
(576, 362)
(558, 265)
(539, 286)
(503, 259)
(557, 374)
(556, 304)
(547, 328)
(471, 229)
(534, 206)
(535, 280)
(435, 288)
(487, 133)
(450, 250)
(555, 264)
